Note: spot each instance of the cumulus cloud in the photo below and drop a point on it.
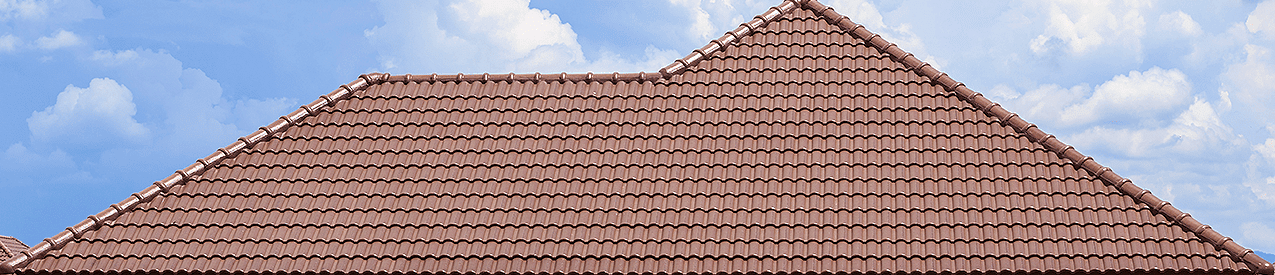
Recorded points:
(61, 39)
(1250, 82)
(1129, 99)
(515, 28)
(1141, 95)
(1079, 27)
(487, 36)
(99, 114)
(149, 109)
(1179, 22)
(1262, 19)
(1197, 132)
(1266, 150)
(187, 105)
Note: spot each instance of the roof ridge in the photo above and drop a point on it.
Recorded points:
(1031, 131)
(93, 222)
(759, 21)
(514, 77)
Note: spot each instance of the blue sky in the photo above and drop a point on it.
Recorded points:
(104, 98)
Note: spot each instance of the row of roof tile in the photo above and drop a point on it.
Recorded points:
(688, 95)
(275, 233)
(575, 202)
(645, 265)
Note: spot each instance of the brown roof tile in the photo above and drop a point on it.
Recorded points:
(799, 142)
(10, 246)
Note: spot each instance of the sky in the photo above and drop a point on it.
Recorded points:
(103, 98)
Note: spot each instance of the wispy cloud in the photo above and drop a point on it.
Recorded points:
(61, 39)
(9, 43)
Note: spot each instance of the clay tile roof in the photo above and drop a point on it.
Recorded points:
(799, 142)
(10, 246)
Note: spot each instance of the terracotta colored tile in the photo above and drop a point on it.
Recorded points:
(801, 147)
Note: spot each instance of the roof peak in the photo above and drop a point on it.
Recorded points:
(993, 109)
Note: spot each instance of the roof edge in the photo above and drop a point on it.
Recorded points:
(93, 222)
(535, 77)
(5, 252)
(760, 21)
(1035, 134)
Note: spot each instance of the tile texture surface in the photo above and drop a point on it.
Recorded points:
(10, 246)
(798, 147)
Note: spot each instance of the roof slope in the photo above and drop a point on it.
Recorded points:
(799, 142)
(10, 246)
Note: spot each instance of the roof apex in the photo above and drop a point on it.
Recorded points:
(987, 106)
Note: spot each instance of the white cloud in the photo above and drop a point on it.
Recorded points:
(1255, 231)
(1251, 84)
(1196, 132)
(1141, 95)
(1266, 150)
(99, 114)
(1263, 188)
(148, 106)
(1042, 105)
(22, 165)
(19, 157)
(1262, 19)
(486, 36)
(189, 105)
(1002, 93)
(652, 60)
(9, 43)
(1179, 22)
(1082, 26)
(861, 12)
(867, 14)
(114, 58)
(514, 27)
(55, 12)
(1261, 168)
(702, 28)
(14, 9)
(61, 39)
